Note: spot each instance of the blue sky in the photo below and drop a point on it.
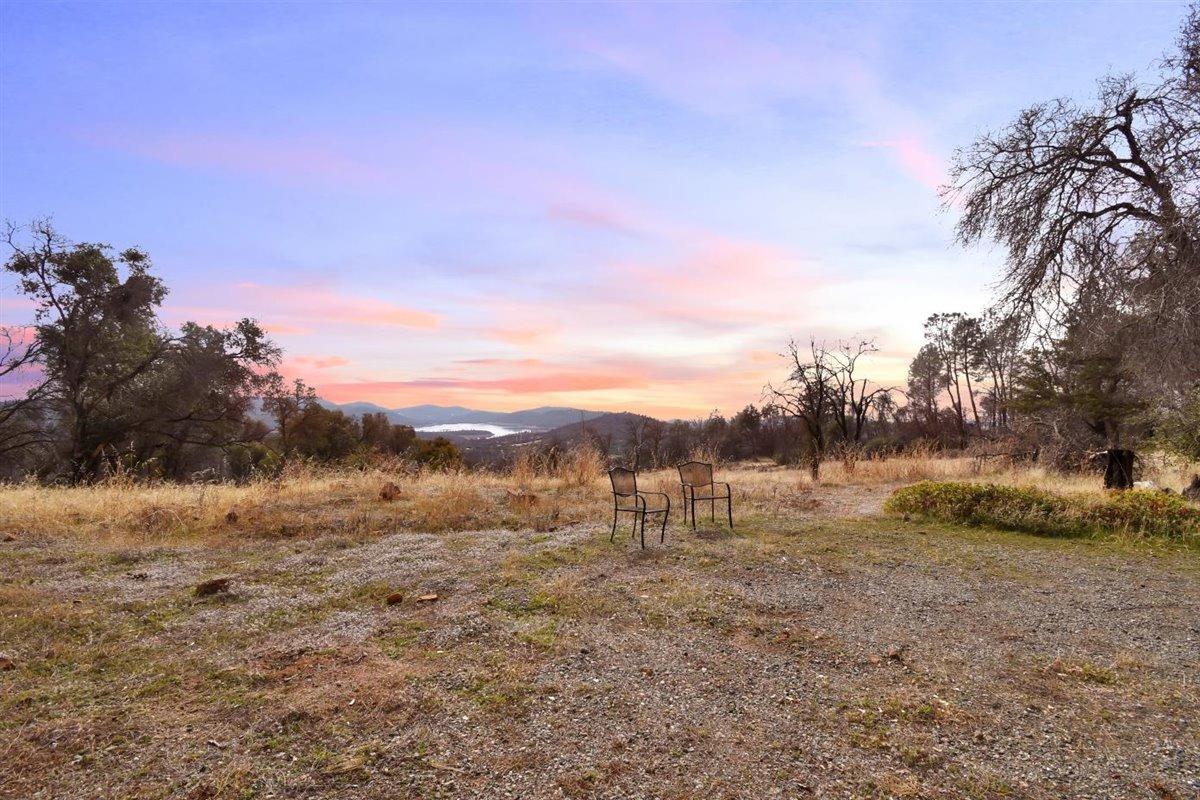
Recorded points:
(605, 205)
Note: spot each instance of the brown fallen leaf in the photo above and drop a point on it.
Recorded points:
(211, 587)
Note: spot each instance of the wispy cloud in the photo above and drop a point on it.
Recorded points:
(316, 305)
(318, 362)
(916, 158)
(290, 160)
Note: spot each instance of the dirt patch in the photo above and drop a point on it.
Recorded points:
(817, 652)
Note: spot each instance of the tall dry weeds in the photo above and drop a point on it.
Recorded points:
(535, 493)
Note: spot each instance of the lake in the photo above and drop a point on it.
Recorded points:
(452, 427)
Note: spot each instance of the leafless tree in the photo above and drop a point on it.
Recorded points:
(22, 426)
(808, 394)
(853, 396)
(1099, 197)
(952, 338)
(999, 350)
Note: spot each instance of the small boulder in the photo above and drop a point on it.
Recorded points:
(212, 587)
(1192, 492)
(389, 492)
(395, 598)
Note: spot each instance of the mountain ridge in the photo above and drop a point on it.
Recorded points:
(427, 414)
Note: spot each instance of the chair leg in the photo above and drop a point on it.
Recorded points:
(729, 506)
(612, 536)
(712, 510)
(643, 530)
(684, 490)
(662, 534)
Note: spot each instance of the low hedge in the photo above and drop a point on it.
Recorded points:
(1138, 512)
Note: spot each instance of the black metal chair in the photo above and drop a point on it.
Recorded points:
(697, 475)
(628, 500)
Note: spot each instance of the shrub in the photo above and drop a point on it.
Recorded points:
(1137, 512)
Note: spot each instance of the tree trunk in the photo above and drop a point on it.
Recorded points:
(1118, 469)
(971, 397)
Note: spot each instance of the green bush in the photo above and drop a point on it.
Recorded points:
(1137, 512)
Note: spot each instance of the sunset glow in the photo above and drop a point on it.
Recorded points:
(619, 207)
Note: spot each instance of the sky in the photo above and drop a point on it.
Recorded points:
(604, 205)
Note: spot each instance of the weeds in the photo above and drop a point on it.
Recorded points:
(540, 492)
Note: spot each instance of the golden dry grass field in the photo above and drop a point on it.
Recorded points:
(477, 635)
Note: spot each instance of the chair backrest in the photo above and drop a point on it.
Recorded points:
(696, 473)
(624, 481)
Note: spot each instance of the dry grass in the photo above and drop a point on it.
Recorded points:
(808, 651)
(537, 493)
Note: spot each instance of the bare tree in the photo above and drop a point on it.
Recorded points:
(808, 394)
(853, 396)
(951, 336)
(925, 383)
(20, 412)
(999, 349)
(1101, 196)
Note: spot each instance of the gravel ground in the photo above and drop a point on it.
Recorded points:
(828, 654)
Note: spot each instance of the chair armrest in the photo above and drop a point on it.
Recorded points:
(664, 496)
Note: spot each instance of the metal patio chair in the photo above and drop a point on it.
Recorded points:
(698, 476)
(627, 499)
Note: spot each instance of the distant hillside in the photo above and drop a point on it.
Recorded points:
(538, 420)
(611, 429)
(359, 408)
(542, 418)
(612, 426)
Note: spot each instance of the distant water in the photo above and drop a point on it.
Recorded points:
(450, 427)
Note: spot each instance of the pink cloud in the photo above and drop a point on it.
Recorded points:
(719, 282)
(596, 218)
(668, 387)
(294, 160)
(494, 362)
(915, 158)
(549, 383)
(17, 335)
(309, 304)
(320, 363)
(222, 318)
(521, 336)
(705, 59)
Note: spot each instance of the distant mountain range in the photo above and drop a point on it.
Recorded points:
(543, 418)
(500, 432)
